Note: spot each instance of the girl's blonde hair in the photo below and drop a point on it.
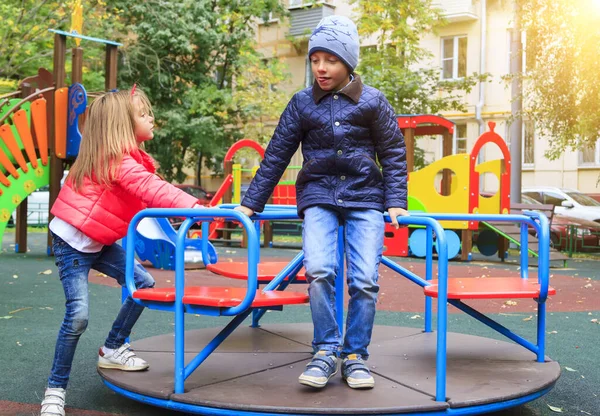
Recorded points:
(108, 134)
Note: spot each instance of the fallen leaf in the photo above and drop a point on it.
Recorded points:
(415, 316)
(20, 309)
(101, 274)
(46, 272)
(6, 317)
(553, 332)
(529, 318)
(588, 285)
(15, 276)
(569, 369)
(510, 303)
(19, 344)
(555, 409)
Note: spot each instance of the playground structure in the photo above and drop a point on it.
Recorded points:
(458, 191)
(418, 372)
(40, 135)
(42, 119)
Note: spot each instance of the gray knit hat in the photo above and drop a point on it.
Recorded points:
(336, 35)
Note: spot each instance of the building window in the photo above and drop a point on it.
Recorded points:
(523, 51)
(309, 79)
(460, 139)
(527, 143)
(454, 57)
(590, 155)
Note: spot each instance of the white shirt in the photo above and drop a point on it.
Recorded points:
(73, 237)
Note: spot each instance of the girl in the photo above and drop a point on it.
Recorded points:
(111, 180)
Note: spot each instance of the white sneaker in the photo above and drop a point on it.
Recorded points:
(54, 402)
(121, 359)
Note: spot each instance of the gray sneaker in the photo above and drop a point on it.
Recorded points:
(322, 367)
(356, 373)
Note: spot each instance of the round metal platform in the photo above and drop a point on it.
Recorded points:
(255, 372)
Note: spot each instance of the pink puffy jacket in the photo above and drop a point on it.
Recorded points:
(104, 214)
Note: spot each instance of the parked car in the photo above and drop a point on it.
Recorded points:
(203, 196)
(585, 234)
(38, 206)
(569, 202)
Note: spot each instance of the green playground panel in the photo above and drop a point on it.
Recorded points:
(20, 189)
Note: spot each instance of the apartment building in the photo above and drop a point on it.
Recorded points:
(476, 39)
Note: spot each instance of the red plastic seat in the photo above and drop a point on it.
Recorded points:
(239, 270)
(221, 296)
(489, 288)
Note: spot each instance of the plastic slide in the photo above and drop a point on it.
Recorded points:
(155, 242)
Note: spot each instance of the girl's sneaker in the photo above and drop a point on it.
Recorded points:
(318, 372)
(356, 373)
(54, 402)
(121, 359)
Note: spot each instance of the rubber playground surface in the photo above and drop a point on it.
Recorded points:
(32, 307)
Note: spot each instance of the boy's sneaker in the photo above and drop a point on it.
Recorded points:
(356, 373)
(121, 359)
(54, 402)
(318, 372)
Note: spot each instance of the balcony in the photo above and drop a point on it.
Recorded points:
(458, 10)
(305, 15)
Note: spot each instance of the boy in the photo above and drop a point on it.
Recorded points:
(342, 125)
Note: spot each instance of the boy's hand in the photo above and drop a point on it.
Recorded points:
(396, 212)
(244, 210)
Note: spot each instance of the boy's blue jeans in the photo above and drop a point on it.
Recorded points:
(73, 268)
(363, 241)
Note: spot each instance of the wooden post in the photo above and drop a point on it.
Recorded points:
(409, 141)
(466, 244)
(56, 164)
(447, 173)
(110, 69)
(21, 224)
(77, 66)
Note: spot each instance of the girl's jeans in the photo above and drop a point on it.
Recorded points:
(363, 241)
(73, 268)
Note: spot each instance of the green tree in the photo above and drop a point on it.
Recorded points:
(187, 56)
(560, 83)
(26, 44)
(399, 66)
(258, 98)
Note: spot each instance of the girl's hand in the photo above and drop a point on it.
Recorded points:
(244, 210)
(396, 212)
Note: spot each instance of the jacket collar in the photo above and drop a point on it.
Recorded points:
(144, 158)
(352, 90)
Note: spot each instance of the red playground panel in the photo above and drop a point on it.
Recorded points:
(239, 270)
(222, 297)
(489, 288)
(395, 242)
(284, 195)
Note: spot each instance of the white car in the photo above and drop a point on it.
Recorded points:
(37, 206)
(567, 202)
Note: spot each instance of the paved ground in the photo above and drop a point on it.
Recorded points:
(31, 309)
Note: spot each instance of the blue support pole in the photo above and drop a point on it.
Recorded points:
(428, 276)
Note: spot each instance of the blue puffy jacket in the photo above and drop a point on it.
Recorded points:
(341, 133)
